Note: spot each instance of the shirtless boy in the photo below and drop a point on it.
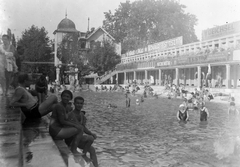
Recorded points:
(86, 141)
(28, 104)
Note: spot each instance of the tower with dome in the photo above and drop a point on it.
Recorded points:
(63, 36)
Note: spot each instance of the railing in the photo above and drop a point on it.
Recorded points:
(187, 58)
(105, 77)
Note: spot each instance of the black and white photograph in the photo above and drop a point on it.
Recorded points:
(119, 83)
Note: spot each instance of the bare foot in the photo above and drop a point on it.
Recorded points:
(76, 153)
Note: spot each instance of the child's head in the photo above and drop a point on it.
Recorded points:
(78, 103)
(181, 107)
(69, 107)
(202, 104)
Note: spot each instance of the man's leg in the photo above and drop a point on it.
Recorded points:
(93, 156)
(3, 83)
(8, 79)
(85, 144)
(48, 105)
(88, 144)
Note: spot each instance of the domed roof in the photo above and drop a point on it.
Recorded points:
(66, 25)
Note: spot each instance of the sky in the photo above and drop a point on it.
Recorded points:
(19, 15)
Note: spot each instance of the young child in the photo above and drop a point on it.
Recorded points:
(195, 104)
(204, 114)
(232, 110)
(128, 100)
(10, 60)
(182, 114)
(185, 102)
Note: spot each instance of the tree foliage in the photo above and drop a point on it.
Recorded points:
(68, 52)
(102, 57)
(142, 22)
(36, 47)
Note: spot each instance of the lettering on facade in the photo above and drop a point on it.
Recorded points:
(219, 31)
(164, 63)
(156, 47)
(166, 44)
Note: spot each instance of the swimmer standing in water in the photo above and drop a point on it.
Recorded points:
(128, 100)
(232, 110)
(182, 114)
(204, 114)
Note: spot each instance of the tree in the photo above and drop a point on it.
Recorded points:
(13, 40)
(37, 48)
(142, 22)
(102, 57)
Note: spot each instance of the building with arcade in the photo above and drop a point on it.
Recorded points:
(213, 61)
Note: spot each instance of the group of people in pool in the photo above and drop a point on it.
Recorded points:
(67, 123)
(196, 102)
(199, 105)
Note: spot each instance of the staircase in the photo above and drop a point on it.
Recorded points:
(106, 77)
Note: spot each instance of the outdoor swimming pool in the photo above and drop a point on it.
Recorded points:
(150, 135)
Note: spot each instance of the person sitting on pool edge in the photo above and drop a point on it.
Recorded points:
(182, 114)
(24, 99)
(86, 141)
(61, 127)
(204, 114)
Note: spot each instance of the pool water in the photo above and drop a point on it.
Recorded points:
(150, 135)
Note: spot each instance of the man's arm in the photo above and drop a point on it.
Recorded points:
(61, 116)
(207, 112)
(237, 111)
(16, 98)
(228, 110)
(187, 116)
(86, 130)
(178, 115)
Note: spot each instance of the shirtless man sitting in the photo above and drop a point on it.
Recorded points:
(24, 99)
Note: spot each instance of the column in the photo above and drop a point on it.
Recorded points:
(185, 77)
(177, 76)
(146, 76)
(95, 82)
(199, 76)
(125, 78)
(189, 77)
(160, 75)
(57, 74)
(117, 78)
(228, 81)
(134, 75)
(235, 80)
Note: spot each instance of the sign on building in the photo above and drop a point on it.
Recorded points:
(226, 29)
(166, 44)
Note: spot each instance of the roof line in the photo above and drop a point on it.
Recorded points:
(103, 31)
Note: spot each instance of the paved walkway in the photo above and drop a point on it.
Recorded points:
(29, 144)
(10, 134)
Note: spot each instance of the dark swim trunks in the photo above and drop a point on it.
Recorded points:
(32, 113)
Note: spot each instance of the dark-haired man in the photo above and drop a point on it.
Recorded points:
(29, 105)
(86, 141)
